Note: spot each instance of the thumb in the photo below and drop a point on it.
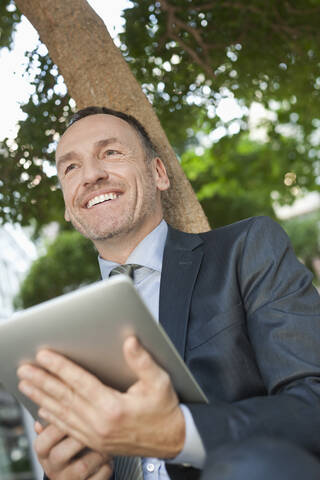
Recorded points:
(38, 427)
(140, 361)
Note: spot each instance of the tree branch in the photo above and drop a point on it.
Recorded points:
(175, 26)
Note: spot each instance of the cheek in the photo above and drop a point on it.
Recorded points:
(69, 193)
(66, 215)
(143, 187)
(66, 199)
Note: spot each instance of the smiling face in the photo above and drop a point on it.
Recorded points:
(111, 191)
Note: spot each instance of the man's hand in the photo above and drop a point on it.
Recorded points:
(146, 420)
(63, 458)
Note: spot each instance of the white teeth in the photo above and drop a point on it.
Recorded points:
(101, 198)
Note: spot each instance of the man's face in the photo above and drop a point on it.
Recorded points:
(110, 189)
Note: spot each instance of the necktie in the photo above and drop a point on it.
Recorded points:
(127, 269)
(127, 468)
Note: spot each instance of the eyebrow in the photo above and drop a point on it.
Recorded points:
(105, 142)
(72, 154)
(66, 158)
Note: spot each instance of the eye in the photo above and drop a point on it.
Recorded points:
(70, 167)
(110, 152)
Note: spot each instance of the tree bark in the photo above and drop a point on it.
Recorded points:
(96, 74)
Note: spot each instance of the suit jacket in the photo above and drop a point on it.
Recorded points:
(242, 312)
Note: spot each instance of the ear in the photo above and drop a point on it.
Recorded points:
(162, 179)
(66, 215)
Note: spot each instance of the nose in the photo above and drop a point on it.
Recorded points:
(93, 172)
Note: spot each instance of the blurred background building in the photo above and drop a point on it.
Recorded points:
(17, 462)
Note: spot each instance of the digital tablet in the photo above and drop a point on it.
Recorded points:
(89, 327)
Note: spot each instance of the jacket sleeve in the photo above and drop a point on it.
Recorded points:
(283, 325)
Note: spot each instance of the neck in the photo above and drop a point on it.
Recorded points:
(118, 248)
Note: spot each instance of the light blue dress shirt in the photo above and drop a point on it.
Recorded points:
(149, 254)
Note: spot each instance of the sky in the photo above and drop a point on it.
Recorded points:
(15, 89)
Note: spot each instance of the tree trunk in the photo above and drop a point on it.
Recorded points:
(96, 74)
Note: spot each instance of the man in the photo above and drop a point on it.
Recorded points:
(239, 307)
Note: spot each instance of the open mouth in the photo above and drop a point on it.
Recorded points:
(101, 199)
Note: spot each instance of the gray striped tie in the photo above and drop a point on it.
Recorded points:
(127, 468)
(127, 269)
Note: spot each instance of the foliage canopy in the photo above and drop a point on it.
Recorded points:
(305, 235)
(189, 56)
(70, 261)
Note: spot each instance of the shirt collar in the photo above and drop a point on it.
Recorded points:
(148, 253)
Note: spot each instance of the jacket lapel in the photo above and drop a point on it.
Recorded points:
(181, 262)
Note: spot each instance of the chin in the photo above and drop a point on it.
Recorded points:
(100, 233)
(96, 235)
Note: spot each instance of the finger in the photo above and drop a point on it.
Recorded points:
(81, 381)
(63, 452)
(141, 362)
(47, 439)
(104, 473)
(49, 392)
(46, 382)
(60, 406)
(85, 466)
(59, 403)
(38, 428)
(37, 377)
(72, 429)
(68, 412)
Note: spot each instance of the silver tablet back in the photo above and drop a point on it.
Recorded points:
(89, 327)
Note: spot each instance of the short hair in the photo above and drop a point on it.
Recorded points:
(146, 141)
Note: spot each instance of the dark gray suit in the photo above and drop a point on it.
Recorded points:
(242, 312)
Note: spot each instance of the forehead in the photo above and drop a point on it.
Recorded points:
(89, 130)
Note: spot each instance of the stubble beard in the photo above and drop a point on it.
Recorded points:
(98, 234)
